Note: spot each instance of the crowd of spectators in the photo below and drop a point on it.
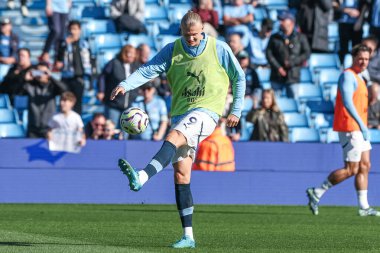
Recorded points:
(283, 45)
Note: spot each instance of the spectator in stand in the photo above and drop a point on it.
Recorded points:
(216, 152)
(313, 20)
(348, 13)
(252, 80)
(42, 90)
(234, 41)
(128, 15)
(143, 53)
(374, 106)
(374, 18)
(8, 42)
(15, 78)
(115, 71)
(95, 128)
(269, 123)
(24, 9)
(374, 61)
(287, 51)
(73, 59)
(67, 120)
(209, 17)
(258, 44)
(237, 18)
(155, 107)
(110, 132)
(57, 12)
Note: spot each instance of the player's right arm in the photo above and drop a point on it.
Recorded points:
(347, 86)
(158, 64)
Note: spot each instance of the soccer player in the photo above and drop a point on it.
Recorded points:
(199, 69)
(350, 120)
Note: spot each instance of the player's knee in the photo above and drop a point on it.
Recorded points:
(352, 169)
(365, 165)
(181, 178)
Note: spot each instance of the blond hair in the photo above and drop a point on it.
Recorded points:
(191, 18)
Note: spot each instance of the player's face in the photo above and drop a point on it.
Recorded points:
(360, 62)
(193, 34)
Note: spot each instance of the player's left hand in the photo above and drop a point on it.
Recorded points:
(117, 90)
(232, 120)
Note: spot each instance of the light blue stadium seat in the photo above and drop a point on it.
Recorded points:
(5, 101)
(95, 12)
(320, 106)
(8, 116)
(276, 4)
(155, 13)
(332, 93)
(331, 135)
(305, 76)
(137, 39)
(162, 40)
(347, 62)
(333, 36)
(11, 130)
(169, 2)
(93, 26)
(20, 102)
(260, 13)
(305, 92)
(375, 135)
(321, 120)
(319, 61)
(177, 11)
(104, 41)
(327, 77)
(302, 134)
(294, 119)
(3, 71)
(104, 56)
(263, 74)
(107, 3)
(287, 104)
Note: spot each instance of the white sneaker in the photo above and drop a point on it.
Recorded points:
(11, 4)
(368, 212)
(24, 11)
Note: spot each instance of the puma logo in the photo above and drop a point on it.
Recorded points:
(195, 76)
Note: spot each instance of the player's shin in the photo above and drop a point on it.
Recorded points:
(158, 162)
(185, 207)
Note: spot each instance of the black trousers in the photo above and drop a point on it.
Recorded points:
(57, 26)
(76, 86)
(347, 34)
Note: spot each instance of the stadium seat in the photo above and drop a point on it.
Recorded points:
(11, 130)
(177, 11)
(8, 116)
(321, 120)
(95, 12)
(347, 62)
(302, 134)
(375, 135)
(276, 4)
(259, 14)
(90, 27)
(263, 74)
(287, 104)
(169, 2)
(319, 61)
(305, 76)
(104, 41)
(137, 39)
(333, 36)
(332, 93)
(162, 40)
(20, 102)
(4, 101)
(326, 77)
(155, 13)
(331, 136)
(305, 92)
(294, 119)
(320, 106)
(3, 71)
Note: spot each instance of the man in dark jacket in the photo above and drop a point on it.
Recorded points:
(313, 20)
(41, 90)
(115, 71)
(286, 52)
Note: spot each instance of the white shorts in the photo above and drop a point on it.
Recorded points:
(196, 127)
(353, 145)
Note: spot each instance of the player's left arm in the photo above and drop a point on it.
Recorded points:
(237, 77)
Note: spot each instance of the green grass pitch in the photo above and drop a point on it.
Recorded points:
(152, 228)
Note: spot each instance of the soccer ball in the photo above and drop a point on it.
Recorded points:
(134, 120)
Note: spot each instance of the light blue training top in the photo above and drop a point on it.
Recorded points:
(347, 85)
(60, 6)
(162, 61)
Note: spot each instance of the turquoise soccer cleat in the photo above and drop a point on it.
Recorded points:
(133, 177)
(184, 242)
(368, 212)
(313, 201)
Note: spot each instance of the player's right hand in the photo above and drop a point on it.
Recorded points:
(116, 91)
